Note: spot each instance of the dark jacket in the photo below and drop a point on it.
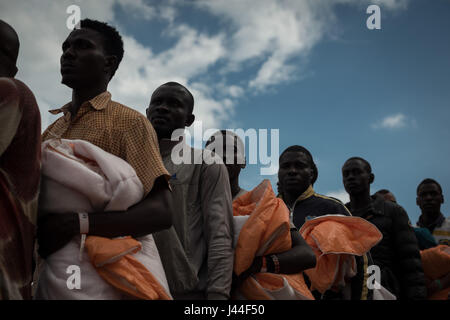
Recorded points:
(397, 254)
(311, 204)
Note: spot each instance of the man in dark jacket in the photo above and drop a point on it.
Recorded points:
(397, 255)
(296, 177)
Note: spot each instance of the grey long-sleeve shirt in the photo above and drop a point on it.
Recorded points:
(197, 252)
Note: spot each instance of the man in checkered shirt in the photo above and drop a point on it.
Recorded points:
(90, 57)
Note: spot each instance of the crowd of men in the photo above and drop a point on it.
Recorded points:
(187, 207)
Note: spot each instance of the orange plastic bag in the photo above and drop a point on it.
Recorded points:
(335, 240)
(266, 231)
(436, 264)
(114, 262)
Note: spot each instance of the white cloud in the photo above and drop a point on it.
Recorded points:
(391, 4)
(41, 26)
(272, 33)
(140, 72)
(272, 72)
(268, 35)
(138, 8)
(235, 91)
(340, 194)
(395, 121)
(168, 13)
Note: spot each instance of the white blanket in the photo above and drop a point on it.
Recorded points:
(77, 176)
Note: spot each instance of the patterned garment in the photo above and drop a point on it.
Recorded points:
(20, 155)
(116, 129)
(311, 204)
(440, 228)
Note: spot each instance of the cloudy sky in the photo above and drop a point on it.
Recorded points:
(310, 68)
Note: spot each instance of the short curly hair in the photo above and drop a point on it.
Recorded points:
(180, 86)
(429, 181)
(366, 163)
(112, 43)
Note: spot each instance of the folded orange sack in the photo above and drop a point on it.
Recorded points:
(436, 264)
(436, 261)
(114, 263)
(266, 231)
(336, 239)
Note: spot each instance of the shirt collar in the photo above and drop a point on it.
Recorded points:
(307, 194)
(98, 103)
(372, 209)
(166, 145)
(437, 223)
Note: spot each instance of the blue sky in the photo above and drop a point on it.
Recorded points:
(309, 68)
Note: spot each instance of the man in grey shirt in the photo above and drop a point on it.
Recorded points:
(197, 252)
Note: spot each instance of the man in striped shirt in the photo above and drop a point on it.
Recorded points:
(430, 199)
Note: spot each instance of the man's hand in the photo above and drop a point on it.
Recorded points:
(253, 269)
(55, 231)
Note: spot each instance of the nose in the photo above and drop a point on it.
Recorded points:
(349, 178)
(428, 197)
(68, 54)
(161, 109)
(292, 171)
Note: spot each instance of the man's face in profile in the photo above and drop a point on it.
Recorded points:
(83, 59)
(9, 50)
(5, 64)
(229, 160)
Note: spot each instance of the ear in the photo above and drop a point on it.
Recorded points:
(417, 201)
(189, 120)
(14, 71)
(311, 175)
(371, 178)
(110, 64)
(442, 198)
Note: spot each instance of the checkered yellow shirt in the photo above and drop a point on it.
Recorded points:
(116, 129)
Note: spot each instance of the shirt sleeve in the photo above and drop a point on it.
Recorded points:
(140, 149)
(45, 134)
(10, 112)
(216, 201)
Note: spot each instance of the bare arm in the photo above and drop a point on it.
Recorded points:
(300, 257)
(153, 213)
(437, 285)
